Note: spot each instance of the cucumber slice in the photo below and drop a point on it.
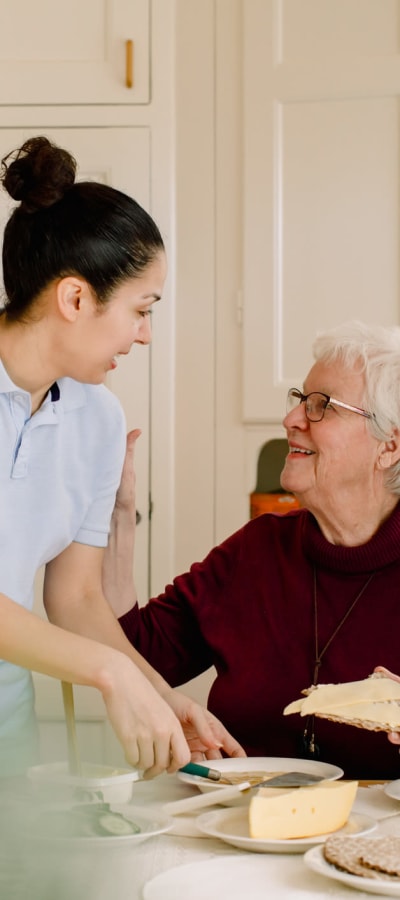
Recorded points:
(115, 823)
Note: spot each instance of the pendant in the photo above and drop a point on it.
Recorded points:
(310, 749)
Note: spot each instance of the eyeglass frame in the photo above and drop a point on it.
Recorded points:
(304, 397)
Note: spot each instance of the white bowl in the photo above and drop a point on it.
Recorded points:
(115, 784)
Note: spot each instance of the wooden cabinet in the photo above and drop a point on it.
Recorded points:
(74, 53)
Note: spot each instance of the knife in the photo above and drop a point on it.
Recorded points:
(187, 804)
(202, 771)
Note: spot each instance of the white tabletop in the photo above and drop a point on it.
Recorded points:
(122, 875)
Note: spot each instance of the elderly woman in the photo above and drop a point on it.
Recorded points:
(309, 597)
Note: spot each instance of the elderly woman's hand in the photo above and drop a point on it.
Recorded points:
(206, 735)
(393, 736)
(117, 575)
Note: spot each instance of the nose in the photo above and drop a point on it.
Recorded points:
(296, 418)
(145, 332)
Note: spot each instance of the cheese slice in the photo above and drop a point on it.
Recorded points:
(327, 697)
(276, 814)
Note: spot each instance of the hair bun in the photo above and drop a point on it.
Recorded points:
(38, 174)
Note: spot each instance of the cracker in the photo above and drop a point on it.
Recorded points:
(349, 853)
(366, 724)
(383, 855)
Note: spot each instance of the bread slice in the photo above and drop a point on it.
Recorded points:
(373, 703)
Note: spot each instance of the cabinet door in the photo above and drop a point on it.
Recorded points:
(120, 157)
(321, 182)
(53, 52)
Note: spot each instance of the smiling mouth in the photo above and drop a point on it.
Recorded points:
(300, 451)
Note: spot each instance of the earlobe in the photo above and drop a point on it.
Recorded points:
(70, 291)
(390, 452)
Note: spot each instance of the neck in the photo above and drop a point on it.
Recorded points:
(354, 523)
(26, 360)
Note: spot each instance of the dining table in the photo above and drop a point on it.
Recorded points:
(183, 863)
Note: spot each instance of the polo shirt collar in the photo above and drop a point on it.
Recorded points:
(71, 394)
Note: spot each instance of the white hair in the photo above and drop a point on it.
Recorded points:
(374, 352)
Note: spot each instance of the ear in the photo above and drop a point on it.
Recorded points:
(389, 452)
(71, 291)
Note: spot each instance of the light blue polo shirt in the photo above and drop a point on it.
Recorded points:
(59, 472)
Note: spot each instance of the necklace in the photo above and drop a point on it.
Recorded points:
(310, 748)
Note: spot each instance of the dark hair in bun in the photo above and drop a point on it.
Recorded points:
(38, 174)
(63, 227)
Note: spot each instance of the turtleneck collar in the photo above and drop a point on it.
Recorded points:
(381, 550)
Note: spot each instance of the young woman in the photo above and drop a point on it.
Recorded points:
(83, 265)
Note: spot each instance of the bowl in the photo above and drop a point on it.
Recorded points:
(114, 785)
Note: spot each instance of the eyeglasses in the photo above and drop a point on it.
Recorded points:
(316, 403)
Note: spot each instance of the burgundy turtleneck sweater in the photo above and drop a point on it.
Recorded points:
(248, 609)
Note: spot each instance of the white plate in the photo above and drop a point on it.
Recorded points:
(316, 861)
(232, 826)
(265, 764)
(237, 877)
(150, 826)
(393, 789)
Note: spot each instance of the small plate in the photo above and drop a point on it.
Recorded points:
(393, 789)
(245, 766)
(315, 860)
(232, 826)
(150, 826)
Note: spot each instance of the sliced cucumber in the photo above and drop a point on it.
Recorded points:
(85, 820)
(117, 824)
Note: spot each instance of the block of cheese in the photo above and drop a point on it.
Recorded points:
(281, 814)
(373, 703)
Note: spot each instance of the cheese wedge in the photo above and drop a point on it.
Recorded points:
(276, 814)
(327, 697)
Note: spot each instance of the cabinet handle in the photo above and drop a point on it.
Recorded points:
(129, 64)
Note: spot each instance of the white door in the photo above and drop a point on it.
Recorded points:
(321, 182)
(91, 52)
(120, 157)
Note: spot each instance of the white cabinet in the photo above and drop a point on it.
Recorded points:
(321, 182)
(95, 52)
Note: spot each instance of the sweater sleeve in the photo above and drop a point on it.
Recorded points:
(173, 631)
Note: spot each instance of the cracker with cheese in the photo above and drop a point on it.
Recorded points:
(373, 703)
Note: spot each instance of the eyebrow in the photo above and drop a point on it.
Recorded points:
(155, 297)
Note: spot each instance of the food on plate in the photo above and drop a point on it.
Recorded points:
(252, 777)
(281, 814)
(84, 820)
(373, 703)
(375, 857)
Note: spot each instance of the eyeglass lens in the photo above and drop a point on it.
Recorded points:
(315, 404)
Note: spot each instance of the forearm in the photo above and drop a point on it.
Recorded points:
(94, 619)
(28, 641)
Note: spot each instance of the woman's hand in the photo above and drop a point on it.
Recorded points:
(393, 736)
(150, 733)
(205, 734)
